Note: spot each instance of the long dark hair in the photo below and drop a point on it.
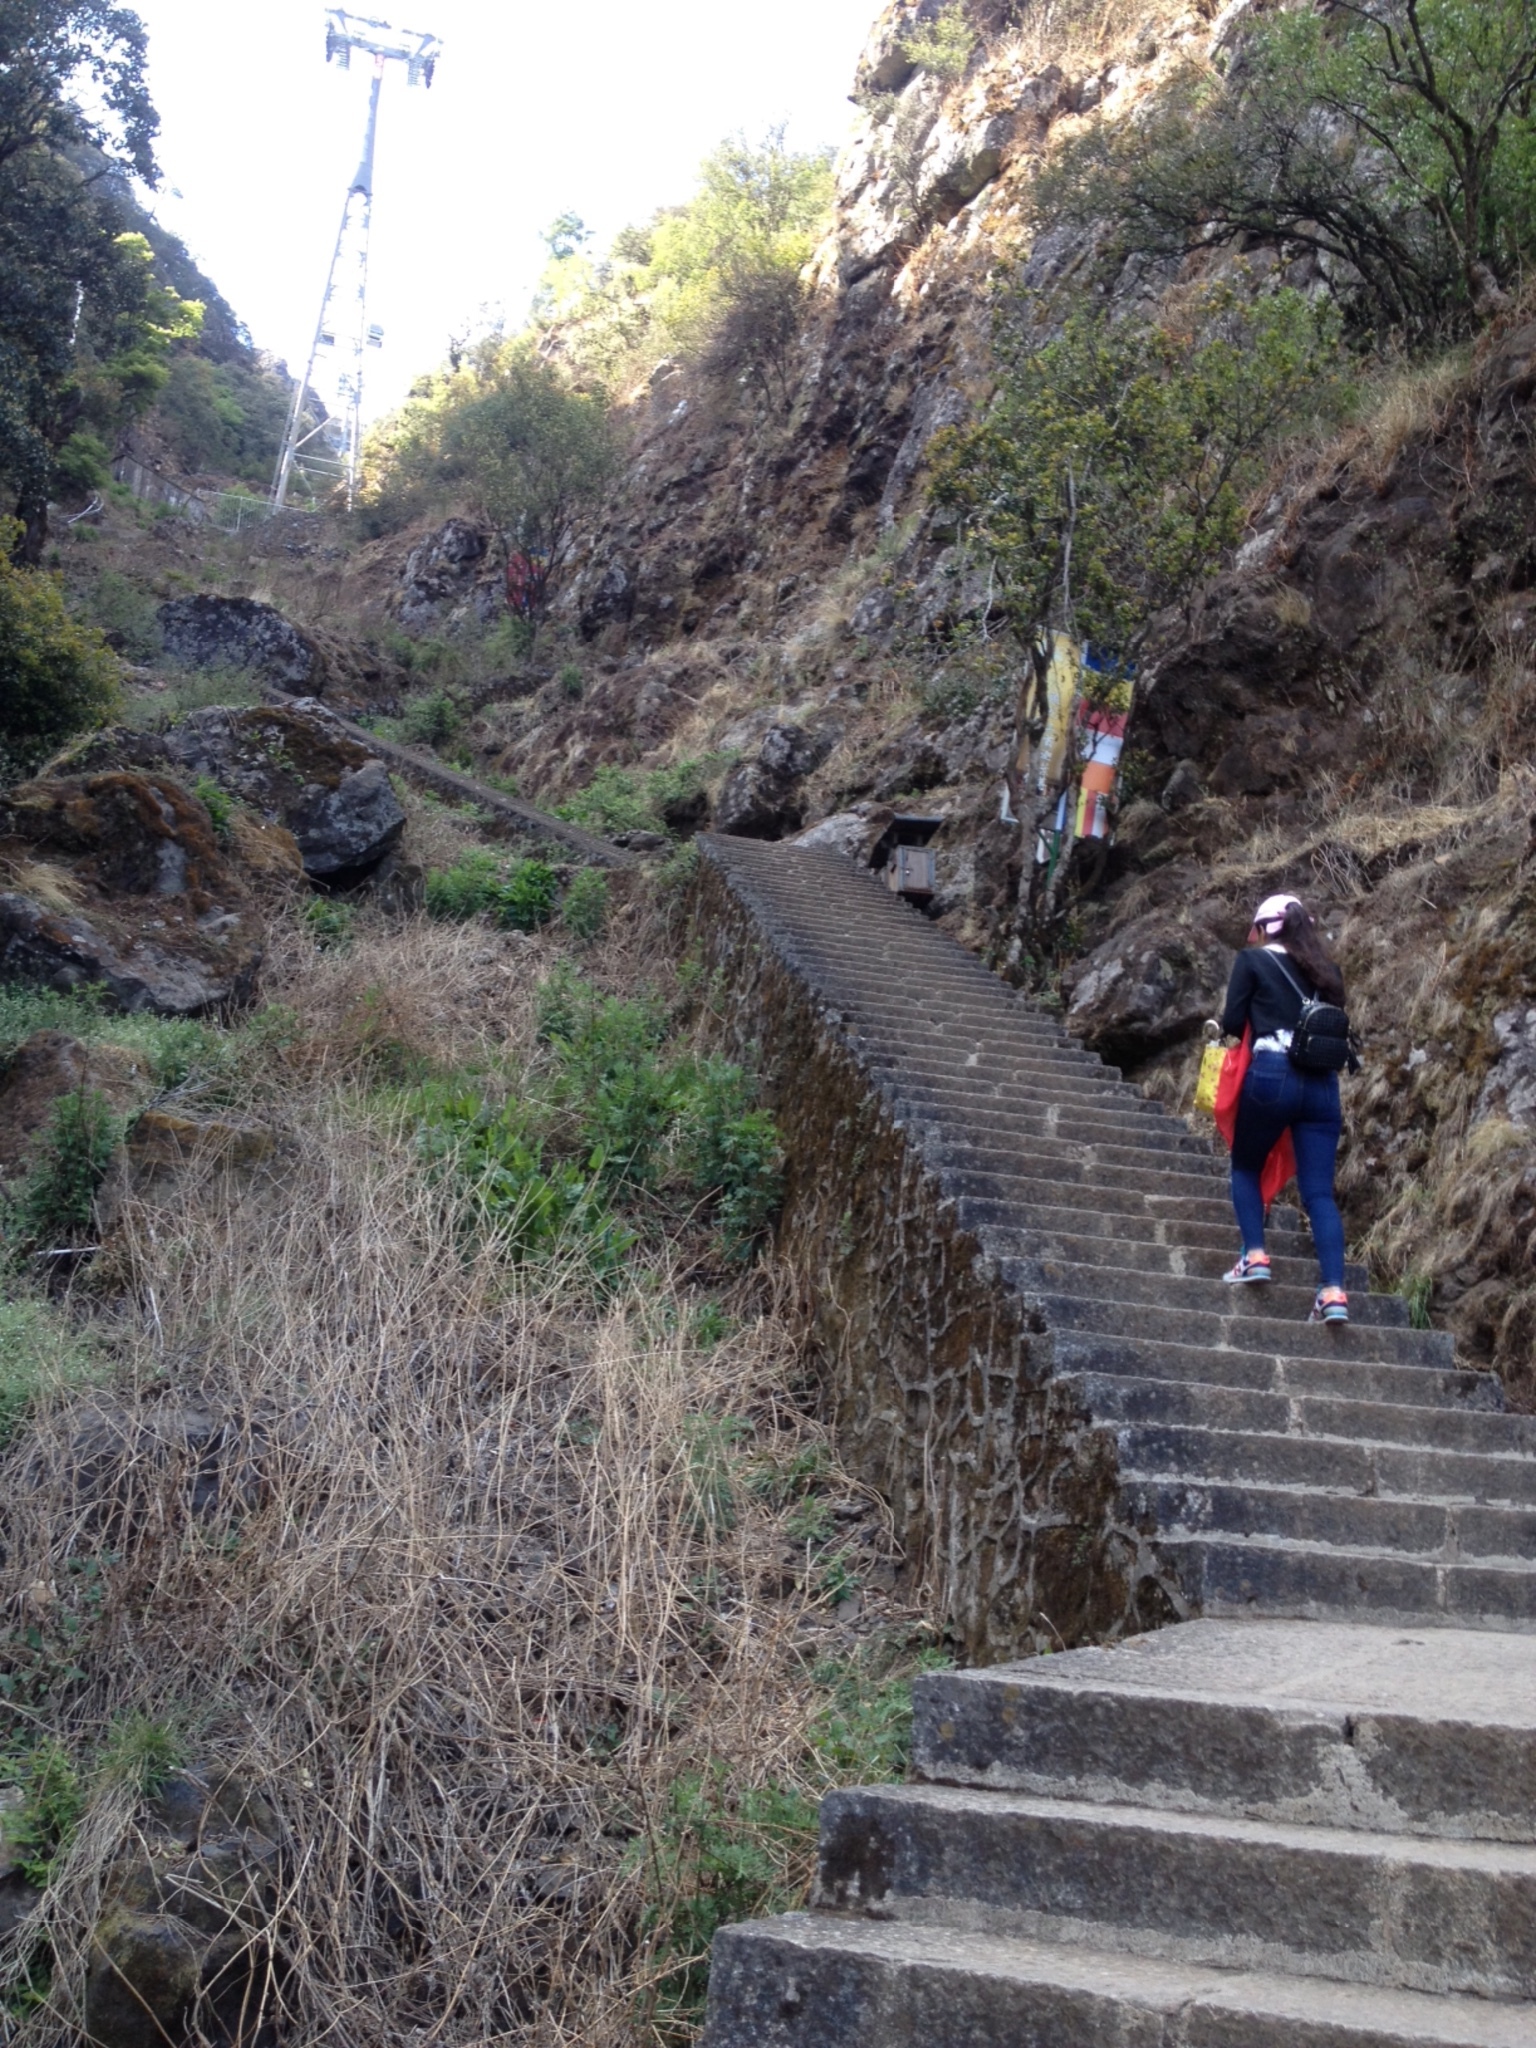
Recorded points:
(1304, 942)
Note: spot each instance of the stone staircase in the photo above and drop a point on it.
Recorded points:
(1279, 1828)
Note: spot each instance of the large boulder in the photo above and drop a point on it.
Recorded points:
(762, 797)
(446, 576)
(183, 1948)
(1146, 987)
(293, 766)
(118, 880)
(238, 632)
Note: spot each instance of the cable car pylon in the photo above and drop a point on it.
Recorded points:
(343, 325)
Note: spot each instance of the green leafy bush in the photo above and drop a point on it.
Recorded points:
(528, 894)
(56, 1199)
(332, 925)
(126, 614)
(57, 677)
(430, 720)
(1396, 141)
(531, 1207)
(732, 1152)
(942, 47)
(718, 1853)
(584, 909)
(53, 1797)
(521, 895)
(217, 802)
(620, 800)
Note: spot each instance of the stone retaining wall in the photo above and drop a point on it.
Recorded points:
(935, 1373)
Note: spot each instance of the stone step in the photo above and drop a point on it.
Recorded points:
(1415, 1912)
(1158, 1451)
(1287, 1378)
(1116, 1215)
(961, 1087)
(1181, 1173)
(1046, 1200)
(1219, 1318)
(1070, 1074)
(1439, 1532)
(930, 1071)
(1292, 1276)
(1299, 1722)
(1077, 1126)
(1125, 1398)
(1252, 1576)
(807, 1980)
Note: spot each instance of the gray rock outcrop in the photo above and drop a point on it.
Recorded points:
(207, 631)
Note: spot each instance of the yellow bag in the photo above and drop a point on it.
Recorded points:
(1211, 1062)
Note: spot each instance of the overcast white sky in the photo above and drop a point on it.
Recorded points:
(603, 108)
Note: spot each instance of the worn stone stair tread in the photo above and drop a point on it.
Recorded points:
(1253, 1576)
(1119, 1397)
(1037, 1200)
(1430, 1531)
(1433, 1732)
(1121, 1254)
(1425, 1912)
(1284, 1376)
(1331, 1464)
(1226, 1318)
(807, 1980)
(1101, 1271)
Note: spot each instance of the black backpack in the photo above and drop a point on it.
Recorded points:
(1321, 1042)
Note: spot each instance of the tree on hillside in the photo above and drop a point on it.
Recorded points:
(74, 110)
(717, 280)
(1393, 137)
(1107, 479)
(507, 435)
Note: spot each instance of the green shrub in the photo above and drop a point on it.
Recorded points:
(717, 1853)
(52, 1802)
(531, 1208)
(57, 677)
(56, 1200)
(526, 898)
(522, 895)
(620, 800)
(571, 681)
(469, 887)
(942, 47)
(431, 720)
(126, 614)
(733, 1154)
(39, 1352)
(331, 925)
(217, 802)
(584, 909)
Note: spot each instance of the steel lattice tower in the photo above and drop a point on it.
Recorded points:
(343, 324)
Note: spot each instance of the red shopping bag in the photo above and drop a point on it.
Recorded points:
(1280, 1166)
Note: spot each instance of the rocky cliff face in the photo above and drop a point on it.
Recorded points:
(1352, 715)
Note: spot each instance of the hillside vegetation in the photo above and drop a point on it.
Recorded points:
(413, 1461)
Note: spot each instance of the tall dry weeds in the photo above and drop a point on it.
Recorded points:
(456, 1588)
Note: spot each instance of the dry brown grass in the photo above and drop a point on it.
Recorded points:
(1076, 34)
(484, 1578)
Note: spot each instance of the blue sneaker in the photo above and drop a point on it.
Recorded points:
(1331, 1306)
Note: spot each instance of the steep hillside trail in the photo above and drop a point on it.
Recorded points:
(509, 810)
(1286, 1823)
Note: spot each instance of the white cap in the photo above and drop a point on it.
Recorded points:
(1270, 915)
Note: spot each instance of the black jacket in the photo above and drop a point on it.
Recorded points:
(1260, 995)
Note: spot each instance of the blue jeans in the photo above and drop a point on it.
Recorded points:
(1278, 1097)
